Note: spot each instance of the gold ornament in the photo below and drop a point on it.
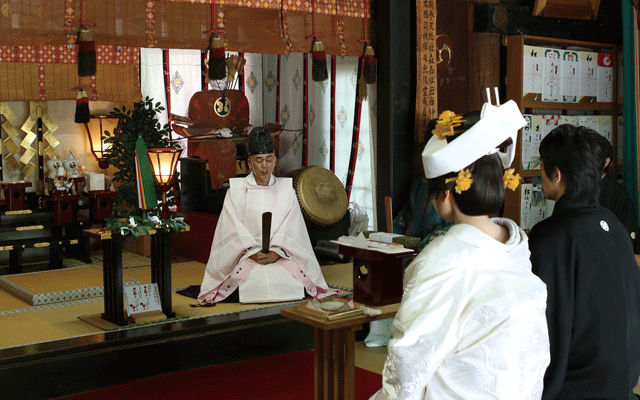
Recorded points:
(446, 123)
(511, 181)
(50, 141)
(463, 181)
(8, 143)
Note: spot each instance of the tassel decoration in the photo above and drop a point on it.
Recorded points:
(217, 64)
(86, 52)
(319, 61)
(362, 87)
(369, 69)
(82, 107)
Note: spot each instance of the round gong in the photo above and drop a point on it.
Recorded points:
(322, 197)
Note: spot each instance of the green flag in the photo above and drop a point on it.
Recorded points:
(147, 198)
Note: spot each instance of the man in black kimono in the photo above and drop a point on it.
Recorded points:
(584, 255)
(613, 196)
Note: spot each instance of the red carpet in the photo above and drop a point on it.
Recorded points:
(283, 377)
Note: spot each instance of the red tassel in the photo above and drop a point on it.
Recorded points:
(86, 52)
(217, 65)
(369, 68)
(82, 107)
(319, 61)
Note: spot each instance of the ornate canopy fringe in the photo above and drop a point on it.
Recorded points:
(251, 26)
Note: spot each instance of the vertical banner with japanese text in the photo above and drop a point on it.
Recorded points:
(426, 90)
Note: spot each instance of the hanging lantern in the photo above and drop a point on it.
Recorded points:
(164, 162)
(95, 128)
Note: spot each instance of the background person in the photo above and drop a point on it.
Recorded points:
(614, 196)
(583, 253)
(237, 266)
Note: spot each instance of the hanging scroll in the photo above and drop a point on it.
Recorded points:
(426, 91)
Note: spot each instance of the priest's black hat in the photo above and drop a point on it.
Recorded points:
(260, 141)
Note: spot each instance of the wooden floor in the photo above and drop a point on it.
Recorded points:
(52, 333)
(49, 340)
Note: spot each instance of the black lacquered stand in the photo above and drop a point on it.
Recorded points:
(114, 309)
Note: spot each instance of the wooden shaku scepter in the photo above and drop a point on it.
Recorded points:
(266, 231)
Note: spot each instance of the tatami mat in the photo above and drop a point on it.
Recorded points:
(47, 323)
(183, 274)
(10, 302)
(23, 323)
(129, 260)
(67, 284)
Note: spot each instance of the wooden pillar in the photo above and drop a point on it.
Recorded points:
(395, 52)
(484, 63)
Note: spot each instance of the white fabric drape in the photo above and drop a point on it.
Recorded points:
(185, 72)
(363, 191)
(319, 119)
(185, 77)
(291, 112)
(253, 86)
(152, 79)
(268, 108)
(260, 87)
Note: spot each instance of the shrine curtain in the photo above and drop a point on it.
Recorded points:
(261, 79)
(51, 73)
(631, 43)
(251, 26)
(38, 52)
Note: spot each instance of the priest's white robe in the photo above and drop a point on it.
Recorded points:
(471, 323)
(238, 235)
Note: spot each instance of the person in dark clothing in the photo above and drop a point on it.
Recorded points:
(583, 254)
(614, 196)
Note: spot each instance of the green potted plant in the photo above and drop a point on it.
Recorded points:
(141, 120)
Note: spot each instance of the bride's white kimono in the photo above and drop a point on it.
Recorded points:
(238, 235)
(471, 324)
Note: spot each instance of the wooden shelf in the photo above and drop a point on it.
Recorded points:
(568, 106)
(528, 173)
(547, 41)
(514, 83)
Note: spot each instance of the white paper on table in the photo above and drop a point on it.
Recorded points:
(361, 242)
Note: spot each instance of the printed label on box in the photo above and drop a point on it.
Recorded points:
(570, 83)
(531, 137)
(605, 126)
(605, 78)
(551, 75)
(532, 73)
(142, 298)
(588, 76)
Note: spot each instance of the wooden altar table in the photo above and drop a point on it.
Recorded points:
(334, 352)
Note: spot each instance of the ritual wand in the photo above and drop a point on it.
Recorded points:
(266, 231)
(40, 147)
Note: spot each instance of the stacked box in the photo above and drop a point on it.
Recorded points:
(605, 78)
(551, 77)
(605, 126)
(588, 121)
(531, 137)
(570, 82)
(588, 65)
(568, 119)
(532, 73)
(620, 78)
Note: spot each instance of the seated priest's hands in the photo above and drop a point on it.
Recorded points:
(265, 258)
